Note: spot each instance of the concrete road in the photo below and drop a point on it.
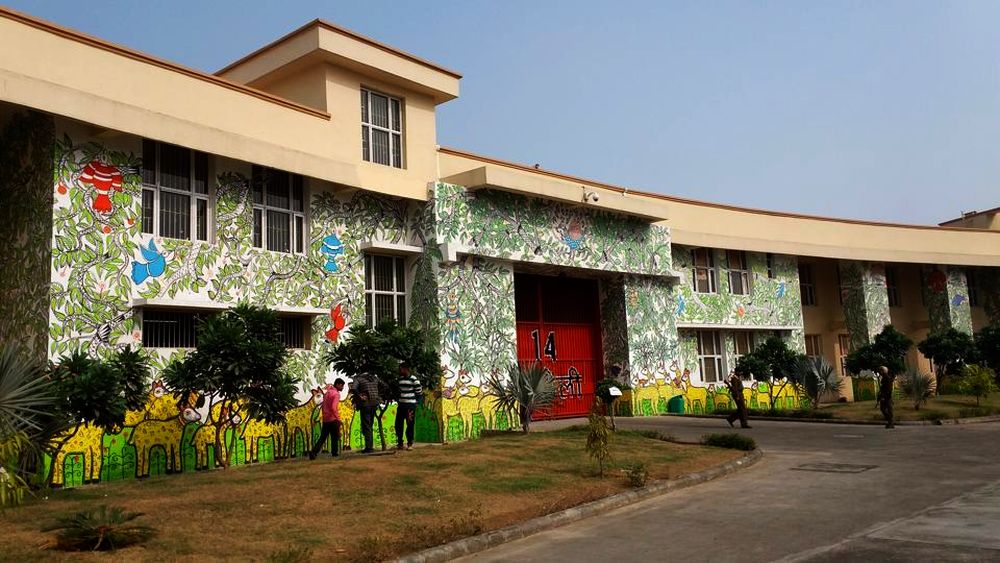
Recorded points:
(821, 493)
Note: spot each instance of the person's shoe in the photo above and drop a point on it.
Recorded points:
(335, 455)
(730, 422)
(368, 451)
(409, 447)
(399, 446)
(312, 456)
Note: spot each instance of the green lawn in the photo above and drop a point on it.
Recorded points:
(942, 407)
(355, 507)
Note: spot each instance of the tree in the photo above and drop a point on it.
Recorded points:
(99, 393)
(772, 362)
(817, 377)
(527, 388)
(239, 362)
(916, 386)
(885, 356)
(978, 381)
(379, 351)
(988, 347)
(950, 350)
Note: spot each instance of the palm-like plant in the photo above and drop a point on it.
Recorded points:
(818, 377)
(919, 387)
(25, 393)
(527, 388)
(99, 530)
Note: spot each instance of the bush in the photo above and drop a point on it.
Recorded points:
(599, 437)
(636, 474)
(290, 555)
(106, 528)
(730, 440)
(652, 435)
(977, 381)
(933, 416)
(917, 386)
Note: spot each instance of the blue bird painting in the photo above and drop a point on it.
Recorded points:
(153, 267)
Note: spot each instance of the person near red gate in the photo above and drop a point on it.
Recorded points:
(410, 392)
(331, 420)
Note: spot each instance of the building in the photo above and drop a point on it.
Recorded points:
(137, 195)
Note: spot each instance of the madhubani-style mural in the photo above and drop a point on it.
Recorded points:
(947, 297)
(772, 301)
(865, 298)
(101, 260)
(26, 230)
(513, 227)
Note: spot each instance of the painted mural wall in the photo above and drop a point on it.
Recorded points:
(947, 297)
(773, 300)
(101, 261)
(25, 228)
(865, 299)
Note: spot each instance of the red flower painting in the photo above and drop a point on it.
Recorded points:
(338, 321)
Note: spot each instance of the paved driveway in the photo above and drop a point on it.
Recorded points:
(821, 493)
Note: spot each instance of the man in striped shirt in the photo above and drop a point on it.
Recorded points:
(410, 392)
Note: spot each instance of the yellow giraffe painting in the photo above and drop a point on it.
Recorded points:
(299, 421)
(84, 440)
(204, 438)
(167, 434)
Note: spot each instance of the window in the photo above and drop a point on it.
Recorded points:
(175, 192)
(806, 286)
(973, 287)
(892, 287)
(170, 329)
(385, 289)
(709, 356)
(840, 284)
(771, 273)
(814, 346)
(704, 270)
(295, 331)
(739, 274)
(381, 129)
(279, 222)
(844, 340)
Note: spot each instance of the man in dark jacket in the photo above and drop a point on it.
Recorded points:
(368, 399)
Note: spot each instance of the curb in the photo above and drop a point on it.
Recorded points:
(943, 421)
(482, 542)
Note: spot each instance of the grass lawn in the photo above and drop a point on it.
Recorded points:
(944, 406)
(356, 508)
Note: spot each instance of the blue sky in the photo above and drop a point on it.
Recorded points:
(871, 110)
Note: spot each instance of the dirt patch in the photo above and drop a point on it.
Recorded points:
(355, 507)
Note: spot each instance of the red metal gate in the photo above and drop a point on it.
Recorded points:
(558, 325)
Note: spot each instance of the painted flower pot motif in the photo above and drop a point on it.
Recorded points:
(103, 178)
(574, 236)
(153, 267)
(332, 247)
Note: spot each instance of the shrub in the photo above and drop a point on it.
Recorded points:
(818, 377)
(290, 555)
(106, 528)
(729, 440)
(636, 474)
(933, 416)
(598, 437)
(917, 386)
(527, 388)
(972, 412)
(977, 381)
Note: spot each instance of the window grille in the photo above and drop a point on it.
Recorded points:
(175, 192)
(704, 270)
(385, 289)
(381, 129)
(739, 273)
(709, 356)
(278, 210)
(807, 289)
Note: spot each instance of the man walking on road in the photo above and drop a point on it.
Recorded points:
(368, 399)
(409, 393)
(331, 420)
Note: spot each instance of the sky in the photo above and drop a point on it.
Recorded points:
(885, 111)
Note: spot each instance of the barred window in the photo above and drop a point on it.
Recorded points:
(844, 341)
(385, 289)
(295, 331)
(170, 329)
(704, 270)
(381, 129)
(892, 287)
(279, 222)
(973, 286)
(739, 273)
(709, 356)
(807, 289)
(175, 192)
(771, 273)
